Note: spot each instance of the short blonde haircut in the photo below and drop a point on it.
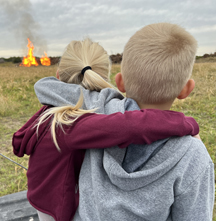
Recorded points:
(78, 55)
(157, 62)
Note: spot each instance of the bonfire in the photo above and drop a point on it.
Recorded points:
(30, 60)
(45, 60)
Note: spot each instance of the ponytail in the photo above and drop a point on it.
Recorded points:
(65, 115)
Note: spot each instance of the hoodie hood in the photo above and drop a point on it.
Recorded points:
(153, 169)
(137, 156)
(140, 165)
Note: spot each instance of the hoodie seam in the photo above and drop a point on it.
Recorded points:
(197, 177)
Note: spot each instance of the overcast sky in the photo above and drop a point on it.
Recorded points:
(51, 25)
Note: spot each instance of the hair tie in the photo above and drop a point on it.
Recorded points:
(85, 69)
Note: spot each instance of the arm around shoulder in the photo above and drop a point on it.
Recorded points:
(138, 127)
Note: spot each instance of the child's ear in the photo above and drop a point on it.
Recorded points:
(187, 89)
(57, 74)
(119, 82)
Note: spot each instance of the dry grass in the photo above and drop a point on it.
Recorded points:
(18, 102)
(202, 104)
(206, 60)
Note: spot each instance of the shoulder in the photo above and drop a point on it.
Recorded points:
(46, 82)
(109, 101)
(111, 93)
(197, 152)
(191, 149)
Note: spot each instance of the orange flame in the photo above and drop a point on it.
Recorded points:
(30, 59)
(45, 60)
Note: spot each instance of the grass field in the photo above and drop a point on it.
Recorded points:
(18, 103)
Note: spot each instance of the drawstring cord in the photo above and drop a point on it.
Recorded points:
(14, 162)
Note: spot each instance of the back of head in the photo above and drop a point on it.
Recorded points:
(157, 62)
(78, 55)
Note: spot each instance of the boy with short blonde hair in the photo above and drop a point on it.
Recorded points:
(157, 63)
(170, 179)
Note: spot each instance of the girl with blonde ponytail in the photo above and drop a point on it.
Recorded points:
(85, 63)
(71, 126)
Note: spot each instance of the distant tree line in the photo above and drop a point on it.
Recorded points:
(207, 55)
(54, 60)
(12, 59)
(115, 58)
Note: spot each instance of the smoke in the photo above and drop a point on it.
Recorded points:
(22, 24)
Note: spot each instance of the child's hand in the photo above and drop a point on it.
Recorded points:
(197, 136)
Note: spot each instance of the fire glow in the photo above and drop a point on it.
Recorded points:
(30, 60)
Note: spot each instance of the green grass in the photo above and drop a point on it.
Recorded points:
(18, 103)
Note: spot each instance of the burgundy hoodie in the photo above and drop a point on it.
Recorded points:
(53, 175)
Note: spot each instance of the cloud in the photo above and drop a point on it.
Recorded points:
(203, 29)
(19, 20)
(109, 22)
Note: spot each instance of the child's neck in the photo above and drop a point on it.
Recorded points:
(163, 106)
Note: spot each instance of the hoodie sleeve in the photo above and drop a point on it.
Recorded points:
(24, 139)
(138, 127)
(197, 202)
(51, 91)
(103, 131)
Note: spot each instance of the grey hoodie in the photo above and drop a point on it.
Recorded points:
(175, 184)
(172, 179)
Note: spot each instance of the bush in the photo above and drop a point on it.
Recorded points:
(16, 60)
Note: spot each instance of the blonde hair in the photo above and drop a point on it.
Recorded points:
(78, 55)
(157, 62)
